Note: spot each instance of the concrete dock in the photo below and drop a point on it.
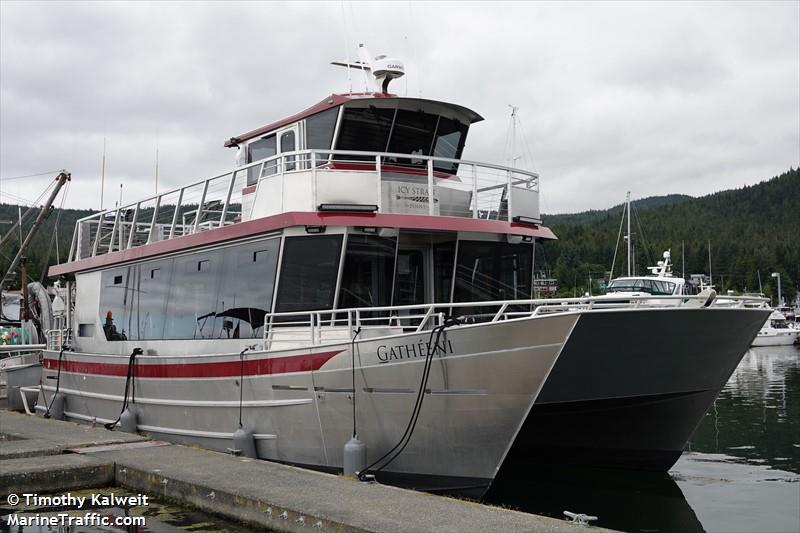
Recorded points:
(38, 455)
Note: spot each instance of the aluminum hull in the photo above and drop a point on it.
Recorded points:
(482, 383)
(631, 397)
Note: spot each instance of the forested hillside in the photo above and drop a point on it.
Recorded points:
(37, 253)
(753, 229)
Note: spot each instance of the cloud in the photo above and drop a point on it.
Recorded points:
(649, 97)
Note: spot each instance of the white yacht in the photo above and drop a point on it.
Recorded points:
(776, 331)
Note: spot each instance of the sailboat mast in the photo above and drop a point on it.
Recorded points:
(628, 238)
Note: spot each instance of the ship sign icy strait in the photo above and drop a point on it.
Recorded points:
(353, 275)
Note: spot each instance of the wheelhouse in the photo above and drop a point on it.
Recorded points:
(361, 201)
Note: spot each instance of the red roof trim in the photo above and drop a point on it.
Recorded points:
(286, 220)
(333, 101)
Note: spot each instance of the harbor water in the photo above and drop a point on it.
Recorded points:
(740, 471)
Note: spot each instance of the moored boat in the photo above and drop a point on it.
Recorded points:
(776, 331)
(355, 275)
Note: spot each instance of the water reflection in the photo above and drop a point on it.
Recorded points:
(740, 471)
(757, 414)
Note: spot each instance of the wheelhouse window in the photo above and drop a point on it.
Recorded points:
(649, 286)
(368, 271)
(364, 129)
(488, 271)
(258, 150)
(289, 144)
(404, 131)
(449, 143)
(309, 270)
(319, 130)
(412, 133)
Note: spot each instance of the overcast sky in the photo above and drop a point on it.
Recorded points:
(656, 98)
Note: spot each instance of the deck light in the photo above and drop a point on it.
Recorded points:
(315, 229)
(370, 229)
(354, 208)
(526, 220)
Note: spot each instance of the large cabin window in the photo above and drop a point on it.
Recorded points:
(248, 280)
(309, 270)
(149, 309)
(368, 271)
(192, 306)
(178, 298)
(488, 271)
(116, 298)
(258, 150)
(364, 129)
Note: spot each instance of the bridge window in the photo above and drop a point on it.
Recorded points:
(258, 150)
(412, 134)
(319, 129)
(450, 136)
(364, 129)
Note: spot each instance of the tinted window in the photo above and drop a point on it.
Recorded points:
(149, 310)
(443, 256)
(450, 136)
(116, 296)
(364, 129)
(308, 273)
(368, 269)
(412, 134)
(261, 149)
(319, 129)
(192, 305)
(493, 271)
(248, 279)
(288, 144)
(409, 286)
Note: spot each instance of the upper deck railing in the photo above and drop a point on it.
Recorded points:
(307, 179)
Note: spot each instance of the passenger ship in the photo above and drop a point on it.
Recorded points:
(352, 262)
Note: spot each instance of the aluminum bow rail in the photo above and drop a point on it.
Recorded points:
(324, 326)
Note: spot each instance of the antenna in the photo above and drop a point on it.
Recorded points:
(710, 277)
(156, 169)
(514, 110)
(103, 173)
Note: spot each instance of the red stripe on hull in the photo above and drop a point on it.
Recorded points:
(219, 369)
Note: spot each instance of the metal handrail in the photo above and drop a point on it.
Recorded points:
(318, 321)
(116, 229)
